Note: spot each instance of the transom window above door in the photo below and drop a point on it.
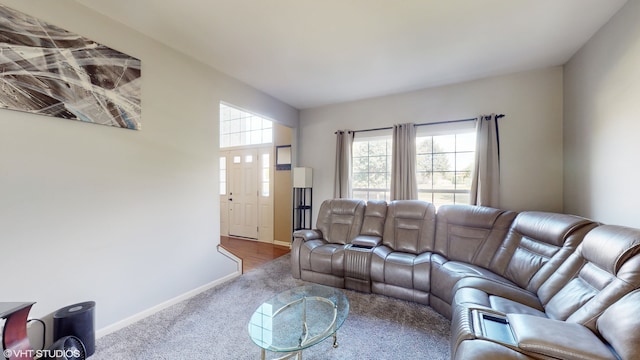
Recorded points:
(242, 128)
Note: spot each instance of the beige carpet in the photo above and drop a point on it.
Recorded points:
(213, 325)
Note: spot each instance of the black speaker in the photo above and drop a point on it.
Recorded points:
(66, 348)
(77, 320)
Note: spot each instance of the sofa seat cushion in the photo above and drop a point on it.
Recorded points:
(499, 297)
(402, 275)
(477, 349)
(474, 297)
(401, 269)
(445, 274)
(557, 339)
(319, 256)
(398, 269)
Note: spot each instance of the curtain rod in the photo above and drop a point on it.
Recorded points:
(424, 124)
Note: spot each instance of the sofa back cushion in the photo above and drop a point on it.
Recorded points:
(340, 220)
(374, 216)
(604, 268)
(619, 325)
(471, 234)
(410, 226)
(536, 245)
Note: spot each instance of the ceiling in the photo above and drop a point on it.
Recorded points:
(310, 53)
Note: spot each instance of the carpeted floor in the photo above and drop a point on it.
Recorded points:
(213, 325)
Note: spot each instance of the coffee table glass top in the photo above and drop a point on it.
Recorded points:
(298, 318)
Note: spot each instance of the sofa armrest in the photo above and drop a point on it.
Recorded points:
(366, 241)
(557, 339)
(306, 234)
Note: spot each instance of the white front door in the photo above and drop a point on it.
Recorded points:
(243, 193)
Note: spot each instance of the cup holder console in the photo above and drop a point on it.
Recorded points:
(492, 327)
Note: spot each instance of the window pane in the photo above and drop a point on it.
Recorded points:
(444, 143)
(425, 180)
(464, 161)
(234, 126)
(442, 199)
(371, 167)
(360, 180)
(360, 164)
(234, 139)
(443, 162)
(378, 164)
(256, 137)
(424, 162)
(360, 148)
(223, 175)
(360, 195)
(266, 174)
(377, 181)
(424, 145)
(466, 142)
(443, 167)
(463, 180)
(425, 196)
(462, 198)
(443, 180)
(377, 148)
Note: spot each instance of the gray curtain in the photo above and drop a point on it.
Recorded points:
(485, 183)
(403, 163)
(342, 178)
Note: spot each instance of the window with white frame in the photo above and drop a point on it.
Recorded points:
(445, 156)
(265, 175)
(241, 128)
(223, 175)
(371, 165)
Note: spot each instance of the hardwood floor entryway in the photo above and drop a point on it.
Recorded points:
(252, 253)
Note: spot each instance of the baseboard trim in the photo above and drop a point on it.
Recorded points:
(282, 243)
(148, 312)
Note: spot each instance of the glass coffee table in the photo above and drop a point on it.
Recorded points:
(297, 319)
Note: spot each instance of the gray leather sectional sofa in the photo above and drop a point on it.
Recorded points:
(528, 285)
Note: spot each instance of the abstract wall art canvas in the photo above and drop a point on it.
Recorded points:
(50, 71)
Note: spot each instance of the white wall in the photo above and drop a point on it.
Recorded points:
(129, 219)
(531, 132)
(602, 123)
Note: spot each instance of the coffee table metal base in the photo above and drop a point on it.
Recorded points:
(296, 354)
(298, 318)
(330, 329)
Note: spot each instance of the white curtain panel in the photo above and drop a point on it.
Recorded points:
(485, 183)
(342, 178)
(403, 163)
